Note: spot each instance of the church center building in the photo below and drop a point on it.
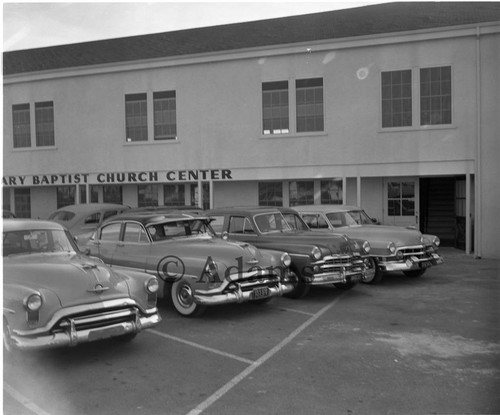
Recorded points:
(393, 107)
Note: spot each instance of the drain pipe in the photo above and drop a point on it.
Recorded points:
(478, 172)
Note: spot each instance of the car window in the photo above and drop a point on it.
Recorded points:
(217, 223)
(62, 216)
(295, 221)
(135, 233)
(36, 241)
(109, 213)
(336, 219)
(315, 221)
(93, 218)
(110, 232)
(271, 222)
(240, 224)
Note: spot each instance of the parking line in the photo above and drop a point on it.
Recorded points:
(237, 379)
(199, 346)
(293, 310)
(23, 400)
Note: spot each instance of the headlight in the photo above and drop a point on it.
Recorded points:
(286, 260)
(152, 285)
(436, 241)
(33, 302)
(391, 247)
(367, 247)
(422, 239)
(316, 253)
(211, 270)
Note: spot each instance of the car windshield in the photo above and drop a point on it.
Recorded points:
(350, 218)
(295, 221)
(272, 222)
(181, 229)
(37, 241)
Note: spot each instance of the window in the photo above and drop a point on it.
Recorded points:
(22, 203)
(111, 232)
(401, 199)
(65, 196)
(83, 193)
(6, 198)
(396, 99)
(435, 96)
(174, 195)
(147, 195)
(309, 94)
(275, 118)
(136, 117)
(44, 122)
(112, 194)
(270, 194)
(21, 125)
(165, 125)
(331, 192)
(135, 233)
(93, 219)
(205, 187)
(240, 224)
(301, 193)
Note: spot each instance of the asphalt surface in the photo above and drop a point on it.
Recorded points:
(429, 345)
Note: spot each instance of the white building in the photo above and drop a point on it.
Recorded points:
(392, 107)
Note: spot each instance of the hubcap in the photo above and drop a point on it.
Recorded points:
(185, 296)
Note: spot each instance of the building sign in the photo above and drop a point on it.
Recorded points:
(118, 178)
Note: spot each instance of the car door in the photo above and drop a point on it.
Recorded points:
(134, 248)
(106, 242)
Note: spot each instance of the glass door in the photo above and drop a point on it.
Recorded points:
(401, 202)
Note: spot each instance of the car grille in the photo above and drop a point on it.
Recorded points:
(334, 264)
(101, 319)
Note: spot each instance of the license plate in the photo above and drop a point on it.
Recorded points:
(106, 333)
(260, 293)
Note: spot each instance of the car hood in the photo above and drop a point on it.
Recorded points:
(73, 278)
(379, 235)
(335, 243)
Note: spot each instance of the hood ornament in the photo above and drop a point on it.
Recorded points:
(98, 289)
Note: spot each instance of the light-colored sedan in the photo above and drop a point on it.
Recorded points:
(393, 248)
(55, 296)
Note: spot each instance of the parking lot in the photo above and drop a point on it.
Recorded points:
(406, 346)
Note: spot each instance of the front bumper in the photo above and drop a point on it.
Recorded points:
(411, 263)
(341, 276)
(71, 333)
(239, 295)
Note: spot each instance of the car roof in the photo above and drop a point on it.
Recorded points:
(91, 207)
(11, 225)
(147, 218)
(326, 208)
(243, 210)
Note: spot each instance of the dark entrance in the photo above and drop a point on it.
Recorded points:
(442, 209)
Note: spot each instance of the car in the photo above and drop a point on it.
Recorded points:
(83, 219)
(316, 259)
(195, 268)
(393, 248)
(54, 296)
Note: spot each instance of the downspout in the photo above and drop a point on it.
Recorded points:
(478, 172)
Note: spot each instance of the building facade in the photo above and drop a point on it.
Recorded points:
(401, 119)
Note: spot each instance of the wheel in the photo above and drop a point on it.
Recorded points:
(182, 295)
(301, 287)
(415, 273)
(344, 286)
(8, 344)
(373, 273)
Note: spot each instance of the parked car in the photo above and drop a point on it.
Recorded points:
(316, 259)
(393, 248)
(82, 220)
(196, 269)
(55, 296)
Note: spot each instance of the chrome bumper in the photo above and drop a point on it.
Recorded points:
(341, 276)
(237, 295)
(411, 263)
(72, 336)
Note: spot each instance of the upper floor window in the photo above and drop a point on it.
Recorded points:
(21, 125)
(44, 122)
(136, 117)
(309, 96)
(275, 118)
(435, 95)
(396, 99)
(165, 124)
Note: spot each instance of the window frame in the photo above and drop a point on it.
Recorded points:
(21, 138)
(136, 123)
(45, 124)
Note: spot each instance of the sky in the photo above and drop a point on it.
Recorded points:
(28, 25)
